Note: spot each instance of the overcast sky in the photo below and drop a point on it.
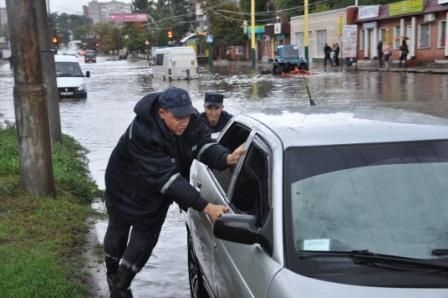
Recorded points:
(68, 6)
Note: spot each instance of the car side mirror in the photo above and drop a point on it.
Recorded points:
(88, 74)
(240, 228)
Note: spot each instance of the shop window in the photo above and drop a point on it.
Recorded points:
(423, 36)
(397, 37)
(442, 34)
(361, 39)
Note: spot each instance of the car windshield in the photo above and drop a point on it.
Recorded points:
(388, 198)
(90, 54)
(68, 69)
(290, 52)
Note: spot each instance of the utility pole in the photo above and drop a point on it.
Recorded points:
(306, 32)
(48, 71)
(253, 51)
(30, 104)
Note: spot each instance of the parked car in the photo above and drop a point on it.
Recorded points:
(70, 79)
(325, 203)
(90, 56)
(175, 63)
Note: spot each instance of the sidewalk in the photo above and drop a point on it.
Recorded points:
(368, 65)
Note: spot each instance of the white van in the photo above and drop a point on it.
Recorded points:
(70, 79)
(175, 63)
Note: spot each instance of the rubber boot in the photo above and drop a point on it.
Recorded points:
(111, 271)
(123, 281)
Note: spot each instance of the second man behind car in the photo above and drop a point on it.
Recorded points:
(214, 115)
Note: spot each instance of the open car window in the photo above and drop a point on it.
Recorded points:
(251, 189)
(231, 139)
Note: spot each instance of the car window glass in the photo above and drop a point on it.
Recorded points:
(159, 59)
(231, 139)
(250, 194)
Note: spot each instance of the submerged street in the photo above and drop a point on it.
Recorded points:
(115, 86)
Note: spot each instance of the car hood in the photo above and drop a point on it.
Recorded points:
(64, 82)
(289, 284)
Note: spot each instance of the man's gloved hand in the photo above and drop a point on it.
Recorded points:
(214, 211)
(233, 158)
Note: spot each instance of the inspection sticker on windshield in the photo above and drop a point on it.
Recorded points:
(316, 244)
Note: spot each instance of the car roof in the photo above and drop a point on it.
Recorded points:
(175, 50)
(65, 58)
(329, 126)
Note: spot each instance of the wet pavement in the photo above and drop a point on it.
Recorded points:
(115, 86)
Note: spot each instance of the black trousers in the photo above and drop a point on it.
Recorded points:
(132, 244)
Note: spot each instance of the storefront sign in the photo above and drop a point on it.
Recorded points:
(349, 39)
(368, 12)
(369, 25)
(406, 7)
(277, 28)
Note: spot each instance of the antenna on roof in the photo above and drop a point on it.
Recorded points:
(312, 103)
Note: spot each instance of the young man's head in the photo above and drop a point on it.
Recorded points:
(175, 109)
(213, 107)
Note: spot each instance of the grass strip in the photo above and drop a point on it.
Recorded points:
(42, 239)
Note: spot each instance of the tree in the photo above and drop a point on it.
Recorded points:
(227, 27)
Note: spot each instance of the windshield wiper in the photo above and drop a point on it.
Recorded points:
(365, 257)
(440, 252)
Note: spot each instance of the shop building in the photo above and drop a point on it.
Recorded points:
(423, 24)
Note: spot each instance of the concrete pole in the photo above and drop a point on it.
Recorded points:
(48, 71)
(446, 35)
(413, 36)
(306, 30)
(30, 104)
(253, 50)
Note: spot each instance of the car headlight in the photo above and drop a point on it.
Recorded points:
(82, 87)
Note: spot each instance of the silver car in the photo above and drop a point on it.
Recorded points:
(325, 203)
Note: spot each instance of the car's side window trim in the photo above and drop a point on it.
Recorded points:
(257, 140)
(239, 165)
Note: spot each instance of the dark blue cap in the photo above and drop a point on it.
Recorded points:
(177, 101)
(213, 99)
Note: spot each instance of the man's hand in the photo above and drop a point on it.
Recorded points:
(234, 157)
(214, 211)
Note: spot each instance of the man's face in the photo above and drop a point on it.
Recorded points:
(176, 125)
(213, 114)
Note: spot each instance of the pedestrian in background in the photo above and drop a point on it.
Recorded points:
(327, 53)
(214, 116)
(404, 51)
(336, 51)
(148, 170)
(380, 53)
(387, 52)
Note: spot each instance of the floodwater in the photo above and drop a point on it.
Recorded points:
(115, 86)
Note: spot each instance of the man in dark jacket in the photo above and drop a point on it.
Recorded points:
(147, 171)
(327, 53)
(214, 116)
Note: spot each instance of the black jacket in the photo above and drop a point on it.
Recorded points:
(223, 119)
(149, 167)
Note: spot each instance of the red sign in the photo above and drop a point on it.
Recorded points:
(128, 17)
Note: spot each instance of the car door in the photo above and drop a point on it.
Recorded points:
(241, 270)
(213, 186)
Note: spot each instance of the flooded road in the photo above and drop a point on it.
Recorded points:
(115, 86)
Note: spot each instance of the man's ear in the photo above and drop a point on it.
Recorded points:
(162, 113)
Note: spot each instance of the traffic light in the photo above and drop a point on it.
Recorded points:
(55, 40)
(170, 34)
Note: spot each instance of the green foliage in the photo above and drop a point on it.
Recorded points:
(41, 239)
(227, 31)
(65, 23)
(9, 161)
(30, 275)
(71, 171)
